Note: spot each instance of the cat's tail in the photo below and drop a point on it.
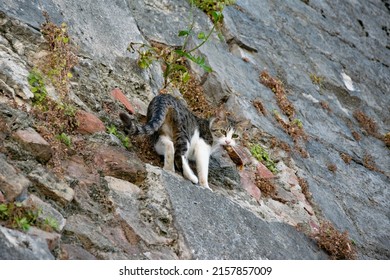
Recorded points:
(132, 128)
(130, 125)
(158, 109)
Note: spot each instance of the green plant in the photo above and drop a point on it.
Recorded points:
(64, 138)
(298, 123)
(19, 216)
(174, 66)
(62, 54)
(51, 224)
(211, 6)
(124, 139)
(37, 86)
(214, 9)
(68, 109)
(262, 155)
(22, 223)
(3, 211)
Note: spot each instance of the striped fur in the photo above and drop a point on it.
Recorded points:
(179, 135)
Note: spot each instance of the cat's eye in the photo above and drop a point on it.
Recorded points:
(235, 136)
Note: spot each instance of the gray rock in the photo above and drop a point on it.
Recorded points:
(12, 183)
(88, 232)
(51, 185)
(101, 237)
(73, 252)
(46, 211)
(93, 34)
(16, 245)
(345, 43)
(33, 142)
(13, 75)
(51, 238)
(124, 196)
(207, 220)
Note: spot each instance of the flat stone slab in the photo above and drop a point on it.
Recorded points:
(16, 245)
(33, 142)
(51, 186)
(12, 182)
(207, 220)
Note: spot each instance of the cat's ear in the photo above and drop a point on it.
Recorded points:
(245, 124)
(220, 113)
(242, 126)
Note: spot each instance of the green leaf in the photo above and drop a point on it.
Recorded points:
(180, 52)
(201, 36)
(206, 68)
(198, 60)
(185, 77)
(217, 16)
(184, 33)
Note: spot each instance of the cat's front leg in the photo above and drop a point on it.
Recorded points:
(202, 158)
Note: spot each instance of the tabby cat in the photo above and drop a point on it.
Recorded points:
(179, 135)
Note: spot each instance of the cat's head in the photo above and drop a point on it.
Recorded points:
(225, 130)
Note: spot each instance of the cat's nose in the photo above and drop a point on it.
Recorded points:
(227, 141)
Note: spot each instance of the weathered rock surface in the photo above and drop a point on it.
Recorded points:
(34, 143)
(50, 185)
(47, 211)
(16, 245)
(333, 60)
(207, 221)
(12, 182)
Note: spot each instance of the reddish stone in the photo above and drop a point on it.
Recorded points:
(248, 184)
(88, 123)
(118, 163)
(33, 142)
(76, 168)
(264, 172)
(13, 184)
(239, 155)
(118, 95)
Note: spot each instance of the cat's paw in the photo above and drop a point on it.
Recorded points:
(194, 179)
(205, 185)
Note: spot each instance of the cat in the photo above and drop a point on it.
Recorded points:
(180, 136)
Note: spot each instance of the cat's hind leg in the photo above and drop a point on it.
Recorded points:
(181, 160)
(164, 146)
(187, 171)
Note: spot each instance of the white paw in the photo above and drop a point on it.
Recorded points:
(205, 185)
(193, 179)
